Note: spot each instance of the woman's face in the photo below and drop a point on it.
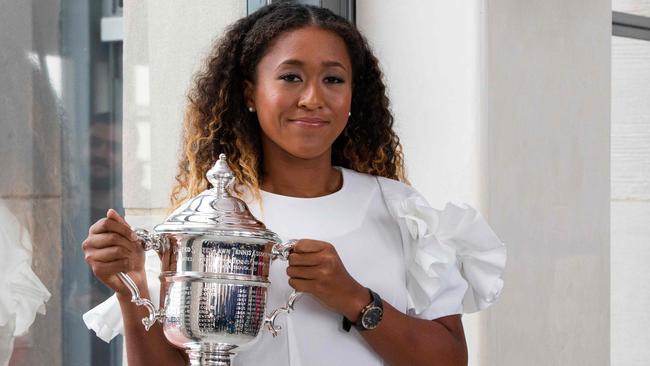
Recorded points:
(302, 93)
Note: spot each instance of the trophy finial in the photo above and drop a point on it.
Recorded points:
(220, 175)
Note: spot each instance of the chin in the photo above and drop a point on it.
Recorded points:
(309, 152)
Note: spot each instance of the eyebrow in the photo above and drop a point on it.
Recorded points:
(292, 61)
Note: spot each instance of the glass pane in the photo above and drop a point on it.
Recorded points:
(60, 145)
(637, 7)
(630, 206)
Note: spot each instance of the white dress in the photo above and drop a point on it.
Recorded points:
(424, 262)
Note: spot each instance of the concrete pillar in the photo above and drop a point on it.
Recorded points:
(548, 120)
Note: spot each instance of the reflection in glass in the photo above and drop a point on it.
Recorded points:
(60, 155)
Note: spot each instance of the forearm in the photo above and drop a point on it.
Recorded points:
(316, 268)
(403, 340)
(146, 347)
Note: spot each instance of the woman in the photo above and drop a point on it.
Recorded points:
(293, 96)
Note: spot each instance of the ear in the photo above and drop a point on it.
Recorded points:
(249, 95)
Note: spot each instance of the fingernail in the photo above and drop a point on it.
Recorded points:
(134, 236)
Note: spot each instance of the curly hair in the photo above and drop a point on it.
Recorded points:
(217, 120)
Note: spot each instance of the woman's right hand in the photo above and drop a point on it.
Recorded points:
(112, 247)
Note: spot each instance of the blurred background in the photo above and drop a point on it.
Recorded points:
(537, 112)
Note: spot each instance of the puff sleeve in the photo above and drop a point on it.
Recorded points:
(454, 261)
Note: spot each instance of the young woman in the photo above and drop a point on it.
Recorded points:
(294, 97)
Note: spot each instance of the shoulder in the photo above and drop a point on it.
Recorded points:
(454, 259)
(353, 177)
(396, 193)
(391, 189)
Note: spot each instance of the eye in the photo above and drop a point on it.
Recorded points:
(292, 78)
(334, 80)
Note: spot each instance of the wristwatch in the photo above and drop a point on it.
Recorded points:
(370, 315)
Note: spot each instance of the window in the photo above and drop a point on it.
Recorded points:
(61, 142)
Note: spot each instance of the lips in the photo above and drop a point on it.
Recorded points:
(308, 122)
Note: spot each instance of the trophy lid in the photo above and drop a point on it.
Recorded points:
(215, 211)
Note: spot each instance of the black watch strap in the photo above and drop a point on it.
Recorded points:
(374, 303)
(347, 324)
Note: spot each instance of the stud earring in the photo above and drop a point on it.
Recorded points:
(251, 109)
(349, 114)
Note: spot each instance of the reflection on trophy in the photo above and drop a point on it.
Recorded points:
(214, 275)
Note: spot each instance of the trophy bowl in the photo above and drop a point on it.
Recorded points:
(214, 278)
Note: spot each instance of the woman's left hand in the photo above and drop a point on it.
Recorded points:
(316, 268)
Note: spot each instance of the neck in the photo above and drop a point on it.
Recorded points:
(295, 177)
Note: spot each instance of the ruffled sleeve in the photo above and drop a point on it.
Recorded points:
(27, 296)
(22, 294)
(454, 261)
(105, 319)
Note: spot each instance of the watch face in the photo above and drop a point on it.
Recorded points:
(371, 317)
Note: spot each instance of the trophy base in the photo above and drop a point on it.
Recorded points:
(210, 358)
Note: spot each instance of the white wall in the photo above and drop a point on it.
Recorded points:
(165, 43)
(430, 53)
(549, 126)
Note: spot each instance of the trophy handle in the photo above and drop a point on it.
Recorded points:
(149, 242)
(281, 251)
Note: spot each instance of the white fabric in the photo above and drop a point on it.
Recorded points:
(22, 294)
(7, 341)
(391, 241)
(440, 246)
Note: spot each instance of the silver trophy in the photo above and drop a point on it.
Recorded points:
(215, 265)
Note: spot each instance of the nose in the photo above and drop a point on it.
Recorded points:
(311, 97)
